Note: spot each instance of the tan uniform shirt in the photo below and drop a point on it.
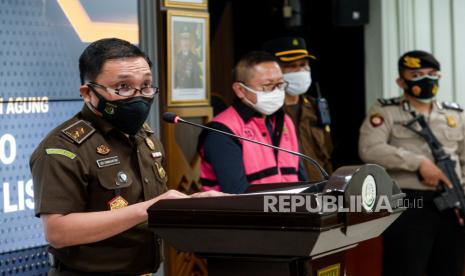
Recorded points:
(384, 141)
(80, 167)
(314, 141)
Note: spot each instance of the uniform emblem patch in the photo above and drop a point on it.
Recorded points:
(103, 149)
(147, 128)
(451, 122)
(376, 120)
(161, 170)
(412, 62)
(150, 143)
(122, 177)
(62, 152)
(117, 202)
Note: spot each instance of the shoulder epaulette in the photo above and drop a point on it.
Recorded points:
(307, 100)
(391, 101)
(79, 131)
(147, 128)
(452, 105)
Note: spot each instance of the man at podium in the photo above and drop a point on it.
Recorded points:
(97, 173)
(230, 164)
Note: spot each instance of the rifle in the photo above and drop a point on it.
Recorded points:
(450, 197)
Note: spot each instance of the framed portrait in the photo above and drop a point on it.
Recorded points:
(193, 4)
(188, 58)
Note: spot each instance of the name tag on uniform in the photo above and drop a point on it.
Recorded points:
(106, 162)
(156, 154)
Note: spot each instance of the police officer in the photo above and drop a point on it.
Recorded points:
(423, 240)
(96, 174)
(314, 137)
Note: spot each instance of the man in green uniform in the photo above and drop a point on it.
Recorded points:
(187, 71)
(314, 136)
(424, 240)
(96, 174)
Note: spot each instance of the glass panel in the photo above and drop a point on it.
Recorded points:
(40, 44)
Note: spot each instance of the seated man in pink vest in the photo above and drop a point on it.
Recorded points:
(231, 165)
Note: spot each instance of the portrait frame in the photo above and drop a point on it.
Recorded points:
(189, 4)
(188, 48)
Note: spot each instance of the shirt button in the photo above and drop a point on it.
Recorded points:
(146, 180)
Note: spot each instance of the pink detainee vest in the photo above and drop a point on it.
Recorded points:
(259, 162)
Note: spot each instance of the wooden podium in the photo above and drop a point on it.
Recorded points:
(248, 235)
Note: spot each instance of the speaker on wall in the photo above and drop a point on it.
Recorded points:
(350, 12)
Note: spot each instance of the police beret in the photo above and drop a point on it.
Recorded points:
(418, 59)
(287, 49)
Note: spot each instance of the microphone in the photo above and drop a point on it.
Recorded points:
(173, 118)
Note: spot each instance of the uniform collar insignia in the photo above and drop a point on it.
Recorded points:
(79, 131)
(147, 128)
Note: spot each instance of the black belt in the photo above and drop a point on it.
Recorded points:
(61, 267)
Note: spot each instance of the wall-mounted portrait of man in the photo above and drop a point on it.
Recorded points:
(188, 62)
(187, 59)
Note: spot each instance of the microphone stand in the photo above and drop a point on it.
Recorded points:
(322, 171)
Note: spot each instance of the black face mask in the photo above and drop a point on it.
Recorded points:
(127, 115)
(424, 88)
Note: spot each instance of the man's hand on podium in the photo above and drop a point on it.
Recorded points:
(209, 194)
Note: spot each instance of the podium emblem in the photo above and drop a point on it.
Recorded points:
(369, 193)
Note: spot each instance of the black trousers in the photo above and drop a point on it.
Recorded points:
(424, 241)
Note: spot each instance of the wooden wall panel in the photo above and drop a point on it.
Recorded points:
(183, 175)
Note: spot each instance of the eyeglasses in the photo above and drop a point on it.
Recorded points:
(147, 91)
(269, 87)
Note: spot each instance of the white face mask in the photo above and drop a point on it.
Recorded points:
(267, 102)
(299, 82)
